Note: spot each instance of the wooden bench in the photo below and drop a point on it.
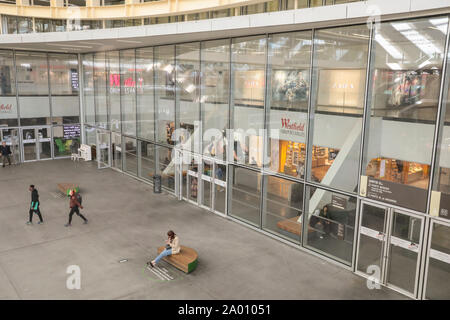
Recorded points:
(185, 260)
(291, 225)
(66, 187)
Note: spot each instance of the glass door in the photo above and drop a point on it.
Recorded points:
(192, 181)
(30, 152)
(220, 188)
(11, 137)
(103, 149)
(116, 150)
(372, 238)
(389, 247)
(207, 183)
(437, 270)
(44, 143)
(405, 239)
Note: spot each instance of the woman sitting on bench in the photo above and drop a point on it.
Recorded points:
(172, 247)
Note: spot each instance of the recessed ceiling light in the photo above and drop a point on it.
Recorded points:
(68, 45)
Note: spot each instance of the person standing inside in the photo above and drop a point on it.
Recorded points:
(6, 153)
(34, 207)
(75, 207)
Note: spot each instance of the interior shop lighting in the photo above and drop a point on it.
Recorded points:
(417, 39)
(440, 24)
(388, 47)
(394, 66)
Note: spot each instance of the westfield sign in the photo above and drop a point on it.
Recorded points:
(129, 84)
(286, 124)
(5, 108)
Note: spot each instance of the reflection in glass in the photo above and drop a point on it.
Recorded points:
(166, 167)
(248, 83)
(66, 140)
(128, 91)
(88, 90)
(340, 61)
(8, 111)
(283, 206)
(215, 96)
(330, 223)
(245, 195)
(114, 90)
(101, 114)
(146, 160)
(438, 278)
(289, 65)
(165, 93)
(407, 66)
(116, 150)
(145, 87)
(130, 158)
(188, 91)
(64, 86)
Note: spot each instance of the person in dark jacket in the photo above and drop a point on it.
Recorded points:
(34, 207)
(6, 153)
(75, 207)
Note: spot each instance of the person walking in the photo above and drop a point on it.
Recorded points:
(75, 207)
(6, 153)
(34, 207)
(172, 247)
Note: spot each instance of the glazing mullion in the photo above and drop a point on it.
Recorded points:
(306, 175)
(440, 117)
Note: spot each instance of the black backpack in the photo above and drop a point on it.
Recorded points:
(79, 198)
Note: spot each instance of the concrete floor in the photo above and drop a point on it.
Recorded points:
(128, 221)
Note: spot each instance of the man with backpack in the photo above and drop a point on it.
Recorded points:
(34, 207)
(75, 206)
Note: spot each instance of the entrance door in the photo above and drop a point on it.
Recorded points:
(207, 183)
(220, 188)
(437, 271)
(37, 143)
(192, 184)
(11, 137)
(103, 149)
(389, 247)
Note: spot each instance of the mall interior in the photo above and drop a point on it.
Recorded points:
(321, 124)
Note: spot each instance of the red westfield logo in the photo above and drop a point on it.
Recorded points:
(286, 124)
(5, 107)
(114, 81)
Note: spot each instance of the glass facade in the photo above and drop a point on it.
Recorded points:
(295, 134)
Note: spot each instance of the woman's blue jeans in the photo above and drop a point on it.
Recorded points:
(166, 252)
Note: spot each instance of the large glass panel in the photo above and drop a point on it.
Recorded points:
(188, 94)
(64, 88)
(438, 277)
(88, 90)
(32, 82)
(215, 96)
(24, 25)
(114, 90)
(145, 97)
(340, 61)
(8, 103)
(330, 223)
(116, 140)
(166, 167)
(44, 143)
(248, 83)
(147, 166)
(10, 24)
(130, 156)
(101, 110)
(66, 140)
(441, 181)
(165, 93)
(245, 195)
(289, 65)
(128, 92)
(283, 207)
(406, 73)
